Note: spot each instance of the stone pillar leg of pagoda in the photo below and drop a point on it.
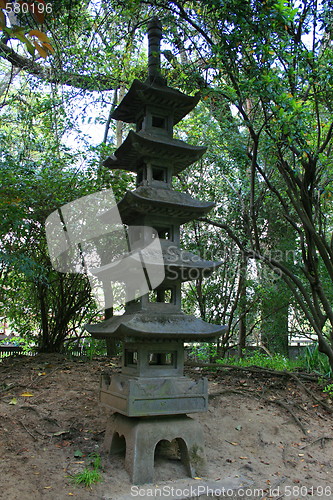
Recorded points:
(140, 436)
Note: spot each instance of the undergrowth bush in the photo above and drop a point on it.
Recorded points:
(263, 360)
(317, 362)
(311, 361)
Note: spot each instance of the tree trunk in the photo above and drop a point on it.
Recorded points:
(242, 306)
(43, 345)
(274, 322)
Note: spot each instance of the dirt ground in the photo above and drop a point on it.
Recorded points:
(267, 430)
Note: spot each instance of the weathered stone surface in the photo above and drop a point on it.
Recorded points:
(148, 359)
(143, 434)
(138, 397)
(180, 207)
(139, 146)
(142, 93)
(159, 325)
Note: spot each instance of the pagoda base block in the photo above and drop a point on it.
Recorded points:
(148, 396)
(140, 436)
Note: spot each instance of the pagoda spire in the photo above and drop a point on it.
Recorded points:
(154, 49)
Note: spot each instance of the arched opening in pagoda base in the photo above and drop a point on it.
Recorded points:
(170, 460)
(118, 445)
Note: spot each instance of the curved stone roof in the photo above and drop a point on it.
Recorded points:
(163, 202)
(139, 146)
(141, 93)
(146, 325)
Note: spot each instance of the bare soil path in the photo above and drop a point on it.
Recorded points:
(270, 430)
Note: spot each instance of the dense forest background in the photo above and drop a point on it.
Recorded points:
(264, 70)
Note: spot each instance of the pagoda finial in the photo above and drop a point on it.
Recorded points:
(154, 50)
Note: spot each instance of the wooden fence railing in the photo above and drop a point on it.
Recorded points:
(9, 350)
(6, 351)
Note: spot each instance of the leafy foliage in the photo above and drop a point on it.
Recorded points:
(264, 72)
(266, 66)
(33, 39)
(316, 362)
(34, 182)
(276, 362)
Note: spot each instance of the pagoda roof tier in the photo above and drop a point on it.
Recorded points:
(139, 146)
(162, 202)
(179, 265)
(147, 325)
(159, 95)
(183, 266)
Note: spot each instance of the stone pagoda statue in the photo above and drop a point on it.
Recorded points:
(151, 397)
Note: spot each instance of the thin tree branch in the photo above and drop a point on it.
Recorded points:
(327, 139)
(86, 82)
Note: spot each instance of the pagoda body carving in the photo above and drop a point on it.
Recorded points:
(153, 328)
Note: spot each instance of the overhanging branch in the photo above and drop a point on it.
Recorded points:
(86, 82)
(293, 282)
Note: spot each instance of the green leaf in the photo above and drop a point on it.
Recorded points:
(30, 48)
